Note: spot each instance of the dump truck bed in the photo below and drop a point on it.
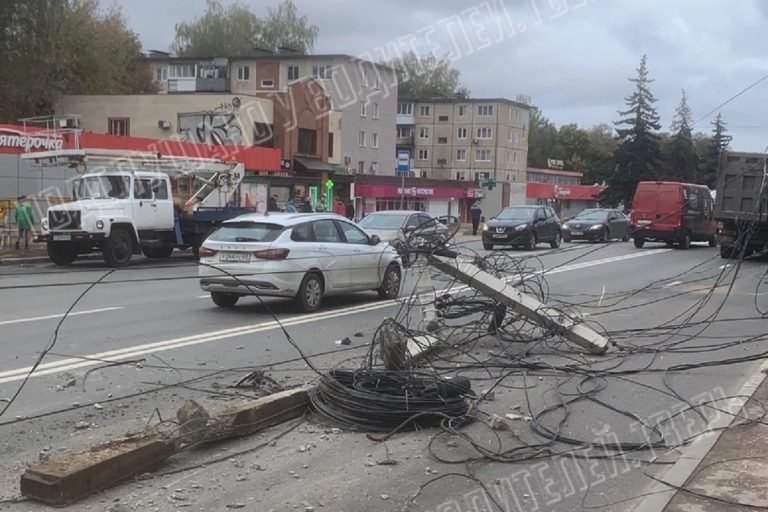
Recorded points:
(739, 181)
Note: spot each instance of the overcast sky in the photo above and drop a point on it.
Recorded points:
(572, 61)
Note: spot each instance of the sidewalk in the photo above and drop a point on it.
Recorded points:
(733, 476)
(34, 253)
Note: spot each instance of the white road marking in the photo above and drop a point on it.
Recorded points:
(673, 283)
(213, 336)
(59, 315)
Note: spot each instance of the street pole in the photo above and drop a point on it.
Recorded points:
(402, 191)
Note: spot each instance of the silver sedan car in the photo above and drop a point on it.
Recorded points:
(301, 256)
(399, 227)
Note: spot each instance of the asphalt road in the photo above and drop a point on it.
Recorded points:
(144, 339)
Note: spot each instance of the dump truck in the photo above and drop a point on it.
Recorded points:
(741, 204)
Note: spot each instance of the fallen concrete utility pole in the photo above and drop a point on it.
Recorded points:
(521, 303)
(68, 477)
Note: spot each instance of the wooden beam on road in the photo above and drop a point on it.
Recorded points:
(571, 329)
(69, 477)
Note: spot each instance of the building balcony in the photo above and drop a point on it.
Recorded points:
(405, 119)
(404, 141)
(198, 85)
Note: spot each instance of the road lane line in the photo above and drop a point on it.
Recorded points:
(196, 339)
(59, 315)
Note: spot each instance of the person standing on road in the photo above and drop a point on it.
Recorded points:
(24, 221)
(339, 208)
(475, 212)
(320, 206)
(272, 204)
(290, 207)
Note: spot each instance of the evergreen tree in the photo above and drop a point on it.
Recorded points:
(638, 157)
(717, 144)
(681, 162)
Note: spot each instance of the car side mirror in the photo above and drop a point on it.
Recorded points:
(374, 240)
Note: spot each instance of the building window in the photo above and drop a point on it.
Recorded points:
(374, 140)
(161, 74)
(424, 110)
(243, 73)
(268, 83)
(404, 131)
(462, 110)
(363, 109)
(461, 175)
(321, 72)
(364, 79)
(462, 133)
(376, 111)
(442, 140)
(483, 155)
(361, 139)
(330, 145)
(442, 119)
(405, 109)
(182, 71)
(307, 142)
(293, 72)
(485, 110)
(263, 135)
(423, 133)
(361, 167)
(484, 133)
(374, 167)
(377, 81)
(461, 155)
(119, 126)
(514, 114)
(442, 161)
(514, 157)
(423, 154)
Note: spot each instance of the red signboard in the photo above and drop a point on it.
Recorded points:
(16, 140)
(427, 191)
(563, 192)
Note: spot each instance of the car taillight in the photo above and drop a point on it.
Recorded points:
(206, 252)
(272, 254)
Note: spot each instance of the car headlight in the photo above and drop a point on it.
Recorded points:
(521, 227)
(596, 226)
(564, 226)
(99, 224)
(485, 227)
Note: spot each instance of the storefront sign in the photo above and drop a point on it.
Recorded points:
(18, 139)
(416, 191)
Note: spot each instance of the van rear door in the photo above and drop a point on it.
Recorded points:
(657, 206)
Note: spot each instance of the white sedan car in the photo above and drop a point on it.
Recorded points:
(301, 256)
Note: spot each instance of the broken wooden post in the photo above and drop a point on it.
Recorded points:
(69, 477)
(502, 292)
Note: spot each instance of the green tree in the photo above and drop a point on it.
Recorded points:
(716, 144)
(573, 142)
(638, 156)
(55, 47)
(236, 30)
(681, 161)
(426, 77)
(599, 163)
(543, 140)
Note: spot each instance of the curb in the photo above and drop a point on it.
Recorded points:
(41, 259)
(660, 494)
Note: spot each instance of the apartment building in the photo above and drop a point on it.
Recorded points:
(363, 95)
(484, 140)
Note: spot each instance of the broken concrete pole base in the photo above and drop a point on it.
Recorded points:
(69, 477)
(193, 420)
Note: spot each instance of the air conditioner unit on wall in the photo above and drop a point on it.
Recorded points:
(164, 125)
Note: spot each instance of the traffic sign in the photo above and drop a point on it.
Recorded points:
(403, 162)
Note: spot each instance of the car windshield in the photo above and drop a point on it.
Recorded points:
(383, 221)
(103, 187)
(247, 232)
(593, 215)
(516, 214)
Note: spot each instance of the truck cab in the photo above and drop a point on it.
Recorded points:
(118, 213)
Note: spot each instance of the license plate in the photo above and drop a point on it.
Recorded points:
(500, 236)
(644, 222)
(577, 233)
(235, 257)
(62, 238)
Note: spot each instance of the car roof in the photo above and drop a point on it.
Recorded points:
(284, 219)
(397, 212)
(525, 206)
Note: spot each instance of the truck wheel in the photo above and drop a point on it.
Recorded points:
(157, 252)
(685, 242)
(639, 242)
(310, 293)
(224, 300)
(118, 248)
(62, 254)
(390, 283)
